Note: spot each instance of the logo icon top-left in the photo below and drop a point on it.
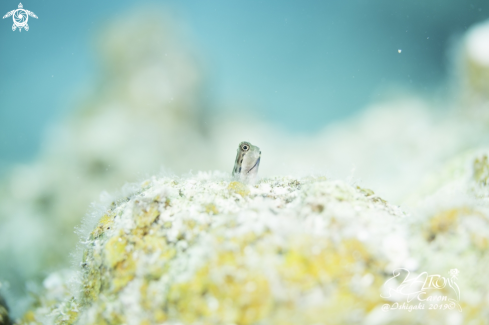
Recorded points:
(20, 17)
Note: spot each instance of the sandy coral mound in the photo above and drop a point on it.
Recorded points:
(208, 249)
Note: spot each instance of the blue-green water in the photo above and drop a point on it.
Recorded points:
(299, 64)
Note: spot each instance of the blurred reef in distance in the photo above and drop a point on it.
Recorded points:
(291, 63)
(149, 110)
(145, 112)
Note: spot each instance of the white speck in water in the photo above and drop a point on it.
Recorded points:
(399, 51)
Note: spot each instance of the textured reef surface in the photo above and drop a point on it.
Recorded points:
(205, 249)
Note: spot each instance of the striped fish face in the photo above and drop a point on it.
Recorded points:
(247, 162)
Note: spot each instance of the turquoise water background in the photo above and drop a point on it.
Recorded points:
(300, 64)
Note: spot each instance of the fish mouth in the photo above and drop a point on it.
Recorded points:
(255, 165)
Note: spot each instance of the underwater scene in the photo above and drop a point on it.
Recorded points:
(244, 162)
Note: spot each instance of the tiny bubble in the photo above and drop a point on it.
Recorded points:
(399, 51)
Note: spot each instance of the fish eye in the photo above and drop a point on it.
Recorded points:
(245, 147)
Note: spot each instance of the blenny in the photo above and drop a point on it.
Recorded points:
(247, 162)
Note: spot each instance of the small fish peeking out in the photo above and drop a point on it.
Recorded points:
(247, 162)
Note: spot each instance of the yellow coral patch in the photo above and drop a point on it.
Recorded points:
(238, 188)
(154, 243)
(115, 251)
(211, 208)
(365, 191)
(29, 318)
(160, 316)
(123, 273)
(148, 216)
(310, 264)
(104, 223)
(481, 170)
(91, 286)
(68, 318)
(228, 289)
(449, 220)
(241, 296)
(480, 241)
(445, 221)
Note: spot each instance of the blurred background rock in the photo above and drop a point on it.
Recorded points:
(357, 90)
